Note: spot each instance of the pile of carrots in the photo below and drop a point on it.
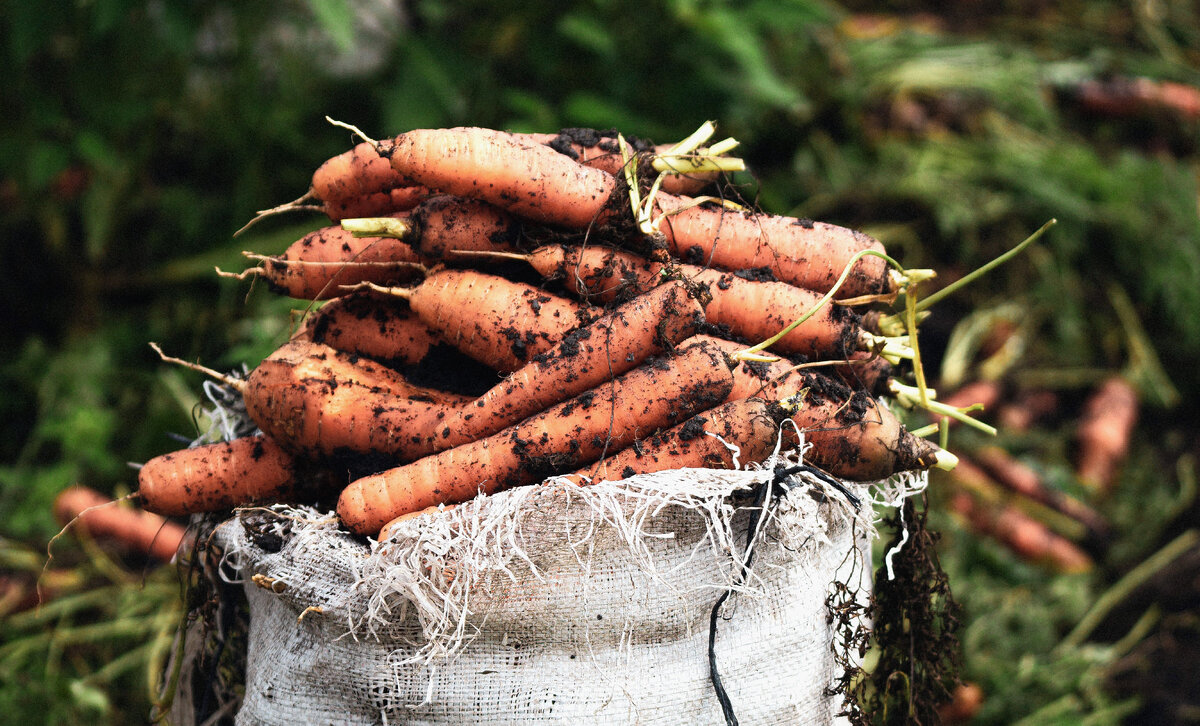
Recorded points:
(502, 308)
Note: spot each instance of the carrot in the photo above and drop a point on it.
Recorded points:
(807, 254)
(600, 149)
(142, 532)
(443, 223)
(964, 703)
(587, 356)
(1022, 479)
(750, 378)
(980, 394)
(354, 173)
(750, 307)
(319, 264)
(852, 435)
(361, 171)
(1105, 431)
(751, 425)
(500, 323)
(561, 438)
(375, 204)
(370, 325)
(865, 371)
(1017, 531)
(530, 180)
(219, 476)
(1028, 408)
(330, 403)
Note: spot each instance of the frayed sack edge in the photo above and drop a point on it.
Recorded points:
(431, 567)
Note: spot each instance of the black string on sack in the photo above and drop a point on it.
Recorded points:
(781, 475)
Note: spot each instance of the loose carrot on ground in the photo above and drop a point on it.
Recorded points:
(1027, 537)
(749, 303)
(251, 470)
(1022, 479)
(1105, 431)
(587, 356)
(142, 532)
(807, 254)
(495, 321)
(609, 417)
(370, 325)
(321, 405)
(319, 264)
(531, 180)
(751, 425)
(852, 435)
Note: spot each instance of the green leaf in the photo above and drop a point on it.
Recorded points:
(336, 18)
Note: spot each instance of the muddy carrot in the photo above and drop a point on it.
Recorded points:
(804, 253)
(500, 323)
(587, 356)
(370, 325)
(251, 470)
(749, 425)
(559, 439)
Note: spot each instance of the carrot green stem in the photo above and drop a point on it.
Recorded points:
(1126, 585)
(910, 396)
(693, 163)
(378, 227)
(972, 276)
(910, 308)
(723, 147)
(944, 460)
(924, 431)
(695, 139)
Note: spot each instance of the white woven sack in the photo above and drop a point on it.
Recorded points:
(553, 604)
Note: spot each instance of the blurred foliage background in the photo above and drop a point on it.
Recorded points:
(139, 135)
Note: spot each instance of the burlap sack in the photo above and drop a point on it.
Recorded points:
(555, 604)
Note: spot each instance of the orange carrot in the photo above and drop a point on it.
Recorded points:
(587, 356)
(333, 404)
(361, 171)
(749, 306)
(319, 264)
(497, 322)
(251, 470)
(442, 223)
(1028, 408)
(1105, 431)
(563, 437)
(750, 378)
(852, 435)
(370, 325)
(376, 204)
(142, 532)
(531, 180)
(807, 254)
(749, 424)
(354, 173)
(1026, 537)
(965, 702)
(1022, 479)
(984, 394)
